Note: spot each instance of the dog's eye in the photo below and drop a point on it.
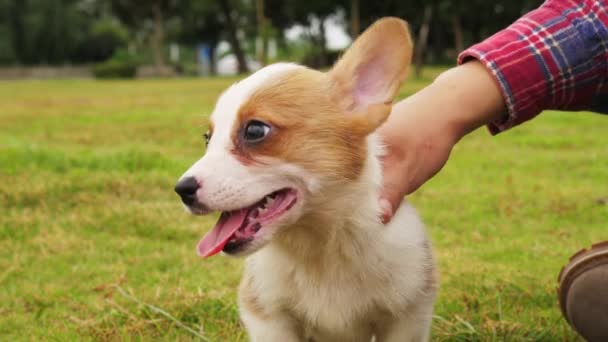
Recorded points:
(255, 131)
(207, 137)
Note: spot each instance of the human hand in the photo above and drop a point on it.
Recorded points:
(422, 129)
(415, 150)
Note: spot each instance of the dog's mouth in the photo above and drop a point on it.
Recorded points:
(235, 229)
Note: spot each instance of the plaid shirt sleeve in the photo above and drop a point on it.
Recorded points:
(555, 57)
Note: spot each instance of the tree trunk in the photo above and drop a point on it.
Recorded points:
(476, 31)
(355, 25)
(233, 38)
(436, 54)
(423, 37)
(322, 43)
(19, 41)
(212, 60)
(158, 38)
(458, 36)
(262, 32)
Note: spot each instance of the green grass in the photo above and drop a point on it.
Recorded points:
(89, 217)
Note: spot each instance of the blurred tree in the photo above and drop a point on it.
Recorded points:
(443, 27)
(45, 32)
(65, 31)
(355, 25)
(106, 35)
(200, 24)
(263, 32)
(144, 16)
(311, 14)
(17, 16)
(423, 38)
(228, 11)
(489, 16)
(57, 32)
(6, 48)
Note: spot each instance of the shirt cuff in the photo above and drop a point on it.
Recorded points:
(508, 119)
(548, 59)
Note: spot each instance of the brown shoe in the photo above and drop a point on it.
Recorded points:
(583, 292)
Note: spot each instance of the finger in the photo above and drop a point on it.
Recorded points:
(389, 202)
(392, 191)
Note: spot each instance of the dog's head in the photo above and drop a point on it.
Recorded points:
(288, 136)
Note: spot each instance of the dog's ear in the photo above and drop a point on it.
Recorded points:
(368, 76)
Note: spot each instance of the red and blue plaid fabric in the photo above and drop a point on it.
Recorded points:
(555, 57)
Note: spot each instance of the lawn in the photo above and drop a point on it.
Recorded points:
(94, 244)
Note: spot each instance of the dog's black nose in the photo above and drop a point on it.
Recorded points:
(186, 188)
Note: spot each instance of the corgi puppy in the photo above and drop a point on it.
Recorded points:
(292, 164)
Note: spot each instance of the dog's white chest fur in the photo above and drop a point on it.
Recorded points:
(352, 290)
(342, 275)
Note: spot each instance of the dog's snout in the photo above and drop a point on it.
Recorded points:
(186, 188)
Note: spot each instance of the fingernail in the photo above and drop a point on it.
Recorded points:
(387, 210)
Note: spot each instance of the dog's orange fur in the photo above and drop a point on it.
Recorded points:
(313, 129)
(308, 129)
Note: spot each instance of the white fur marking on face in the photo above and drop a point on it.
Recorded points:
(227, 107)
(226, 183)
(226, 112)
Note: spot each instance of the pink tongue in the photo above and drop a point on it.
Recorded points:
(215, 240)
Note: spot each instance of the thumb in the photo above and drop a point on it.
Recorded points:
(391, 193)
(386, 210)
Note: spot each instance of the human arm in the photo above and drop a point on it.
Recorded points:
(555, 57)
(422, 129)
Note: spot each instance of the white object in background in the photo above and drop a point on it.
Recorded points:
(272, 49)
(174, 52)
(228, 65)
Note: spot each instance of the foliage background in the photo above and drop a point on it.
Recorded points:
(59, 32)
